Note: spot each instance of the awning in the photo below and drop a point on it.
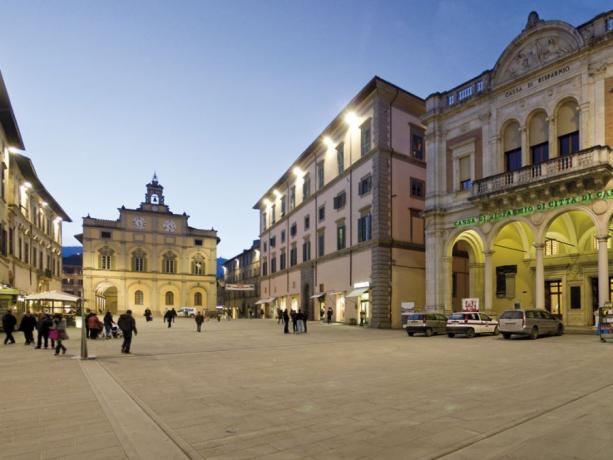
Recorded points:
(263, 301)
(9, 291)
(53, 295)
(357, 292)
(318, 296)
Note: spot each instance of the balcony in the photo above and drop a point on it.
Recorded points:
(587, 168)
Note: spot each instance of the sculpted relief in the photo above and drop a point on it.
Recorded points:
(537, 53)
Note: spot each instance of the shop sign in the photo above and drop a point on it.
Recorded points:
(360, 285)
(470, 304)
(240, 287)
(531, 209)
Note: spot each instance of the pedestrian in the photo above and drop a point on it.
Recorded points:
(299, 322)
(27, 326)
(294, 320)
(321, 313)
(94, 325)
(304, 320)
(87, 316)
(329, 314)
(199, 320)
(148, 315)
(8, 324)
(44, 324)
(279, 316)
(58, 333)
(168, 317)
(285, 322)
(174, 314)
(108, 324)
(127, 325)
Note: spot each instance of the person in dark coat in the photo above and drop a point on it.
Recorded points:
(329, 314)
(168, 317)
(87, 329)
(304, 320)
(293, 315)
(148, 315)
(8, 324)
(27, 326)
(285, 322)
(127, 324)
(44, 324)
(174, 314)
(108, 324)
(199, 320)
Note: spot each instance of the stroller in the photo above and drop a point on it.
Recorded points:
(115, 331)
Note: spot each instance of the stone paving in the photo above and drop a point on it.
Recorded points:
(242, 389)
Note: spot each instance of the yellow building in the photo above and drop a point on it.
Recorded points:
(148, 258)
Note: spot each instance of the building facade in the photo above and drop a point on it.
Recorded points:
(148, 258)
(72, 275)
(242, 283)
(518, 209)
(342, 228)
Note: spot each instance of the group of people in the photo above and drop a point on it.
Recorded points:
(125, 327)
(170, 316)
(298, 319)
(49, 327)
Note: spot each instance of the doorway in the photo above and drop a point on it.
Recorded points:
(553, 297)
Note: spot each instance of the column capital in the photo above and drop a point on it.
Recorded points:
(603, 238)
(539, 246)
(489, 253)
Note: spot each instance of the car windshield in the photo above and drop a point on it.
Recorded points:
(416, 317)
(457, 316)
(513, 314)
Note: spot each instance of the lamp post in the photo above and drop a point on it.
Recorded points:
(84, 354)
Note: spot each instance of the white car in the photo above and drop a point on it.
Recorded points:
(471, 323)
(187, 312)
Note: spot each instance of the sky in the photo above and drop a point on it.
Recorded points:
(220, 97)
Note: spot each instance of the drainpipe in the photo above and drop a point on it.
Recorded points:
(391, 197)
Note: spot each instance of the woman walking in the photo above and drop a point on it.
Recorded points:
(108, 324)
(59, 326)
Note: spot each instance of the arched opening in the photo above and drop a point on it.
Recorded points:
(198, 299)
(106, 299)
(467, 269)
(139, 298)
(169, 262)
(169, 299)
(567, 128)
(511, 146)
(538, 137)
(198, 265)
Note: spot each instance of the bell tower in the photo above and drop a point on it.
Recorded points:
(154, 198)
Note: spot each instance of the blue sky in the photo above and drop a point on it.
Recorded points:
(220, 97)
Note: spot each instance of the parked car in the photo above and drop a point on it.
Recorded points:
(531, 323)
(426, 323)
(470, 324)
(187, 312)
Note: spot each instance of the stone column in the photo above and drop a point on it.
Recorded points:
(488, 289)
(540, 276)
(553, 138)
(447, 285)
(603, 270)
(525, 147)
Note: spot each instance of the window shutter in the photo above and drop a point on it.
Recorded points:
(465, 169)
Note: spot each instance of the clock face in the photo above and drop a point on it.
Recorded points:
(139, 222)
(169, 226)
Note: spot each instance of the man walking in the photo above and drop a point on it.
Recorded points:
(285, 322)
(199, 320)
(44, 324)
(27, 326)
(329, 314)
(8, 324)
(127, 325)
(168, 317)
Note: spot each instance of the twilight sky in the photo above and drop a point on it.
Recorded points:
(219, 97)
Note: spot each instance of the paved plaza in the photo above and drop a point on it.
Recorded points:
(242, 389)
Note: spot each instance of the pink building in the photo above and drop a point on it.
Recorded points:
(342, 229)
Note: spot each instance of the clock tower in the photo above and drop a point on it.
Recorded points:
(154, 198)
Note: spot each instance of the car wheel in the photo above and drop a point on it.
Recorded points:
(428, 332)
(560, 330)
(496, 331)
(411, 334)
(192, 315)
(470, 333)
(506, 335)
(534, 333)
(451, 335)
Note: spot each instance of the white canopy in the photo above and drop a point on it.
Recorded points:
(263, 301)
(356, 292)
(58, 296)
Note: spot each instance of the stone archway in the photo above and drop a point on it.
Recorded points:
(106, 299)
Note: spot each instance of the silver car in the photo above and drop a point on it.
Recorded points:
(531, 323)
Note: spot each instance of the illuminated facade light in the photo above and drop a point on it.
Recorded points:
(298, 172)
(329, 143)
(27, 185)
(352, 119)
(277, 193)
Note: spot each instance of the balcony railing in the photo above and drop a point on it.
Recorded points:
(560, 166)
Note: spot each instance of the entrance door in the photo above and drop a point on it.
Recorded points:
(553, 297)
(364, 309)
(594, 281)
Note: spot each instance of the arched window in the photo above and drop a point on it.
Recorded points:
(139, 298)
(170, 298)
(105, 260)
(139, 260)
(538, 136)
(198, 299)
(169, 264)
(198, 265)
(567, 127)
(511, 140)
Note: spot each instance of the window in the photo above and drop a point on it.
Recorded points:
(540, 153)
(365, 185)
(306, 250)
(365, 138)
(451, 99)
(105, 235)
(264, 268)
(465, 93)
(609, 24)
(322, 212)
(465, 174)
(340, 200)
(365, 227)
(169, 263)
(538, 136)
(306, 187)
(198, 299)
(139, 298)
(479, 86)
(321, 239)
(418, 188)
(512, 160)
(505, 281)
(282, 236)
(26, 252)
(272, 213)
(198, 265)
(34, 256)
(263, 220)
(11, 241)
(417, 146)
(340, 158)
(282, 260)
(170, 298)
(283, 205)
(273, 264)
(293, 230)
(340, 237)
(307, 222)
(320, 175)
(552, 247)
(197, 242)
(273, 241)
(292, 197)
(138, 261)
(265, 246)
(569, 143)
(105, 261)
(293, 255)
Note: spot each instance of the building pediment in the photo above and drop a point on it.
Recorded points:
(540, 43)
